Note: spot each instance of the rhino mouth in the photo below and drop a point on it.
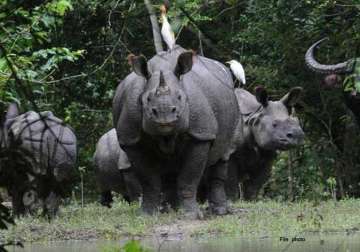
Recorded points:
(166, 128)
(285, 144)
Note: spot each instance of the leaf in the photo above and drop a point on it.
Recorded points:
(60, 7)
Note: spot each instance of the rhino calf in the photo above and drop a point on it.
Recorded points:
(266, 127)
(112, 170)
(38, 156)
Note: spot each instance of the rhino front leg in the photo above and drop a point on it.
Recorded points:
(133, 187)
(147, 172)
(217, 197)
(232, 181)
(151, 186)
(194, 163)
(169, 190)
(255, 182)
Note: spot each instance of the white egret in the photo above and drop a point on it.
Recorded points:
(166, 31)
(238, 71)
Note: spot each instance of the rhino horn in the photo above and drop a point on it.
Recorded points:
(314, 65)
(162, 82)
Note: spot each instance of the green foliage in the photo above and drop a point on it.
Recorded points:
(350, 82)
(134, 246)
(129, 246)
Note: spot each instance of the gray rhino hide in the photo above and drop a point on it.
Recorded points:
(110, 159)
(47, 146)
(209, 89)
(252, 163)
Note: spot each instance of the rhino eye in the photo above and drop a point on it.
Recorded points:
(179, 97)
(148, 99)
(274, 125)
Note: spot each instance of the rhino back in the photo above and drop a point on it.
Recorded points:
(47, 143)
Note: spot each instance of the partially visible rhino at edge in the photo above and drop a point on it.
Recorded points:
(37, 162)
(112, 170)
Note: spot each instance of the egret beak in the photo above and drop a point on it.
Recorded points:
(227, 62)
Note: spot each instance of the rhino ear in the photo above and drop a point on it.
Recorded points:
(12, 111)
(291, 98)
(139, 65)
(184, 63)
(261, 95)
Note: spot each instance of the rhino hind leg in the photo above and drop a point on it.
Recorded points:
(17, 203)
(217, 195)
(32, 202)
(51, 205)
(106, 198)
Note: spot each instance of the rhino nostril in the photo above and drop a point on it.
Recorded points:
(173, 110)
(154, 111)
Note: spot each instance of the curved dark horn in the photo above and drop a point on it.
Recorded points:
(312, 63)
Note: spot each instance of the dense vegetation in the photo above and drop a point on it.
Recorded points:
(67, 56)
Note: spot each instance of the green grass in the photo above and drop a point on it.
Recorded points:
(257, 219)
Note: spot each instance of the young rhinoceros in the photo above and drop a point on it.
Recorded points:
(175, 115)
(112, 170)
(267, 127)
(38, 156)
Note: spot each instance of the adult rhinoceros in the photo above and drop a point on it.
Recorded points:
(38, 155)
(267, 127)
(176, 115)
(112, 170)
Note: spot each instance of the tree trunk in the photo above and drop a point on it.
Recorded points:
(155, 27)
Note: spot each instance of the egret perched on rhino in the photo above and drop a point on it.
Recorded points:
(112, 170)
(176, 115)
(351, 68)
(266, 127)
(238, 71)
(38, 156)
(166, 31)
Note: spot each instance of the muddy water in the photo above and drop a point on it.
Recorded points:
(310, 242)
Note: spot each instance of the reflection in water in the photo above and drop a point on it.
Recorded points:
(316, 243)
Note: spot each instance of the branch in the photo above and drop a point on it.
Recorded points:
(204, 33)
